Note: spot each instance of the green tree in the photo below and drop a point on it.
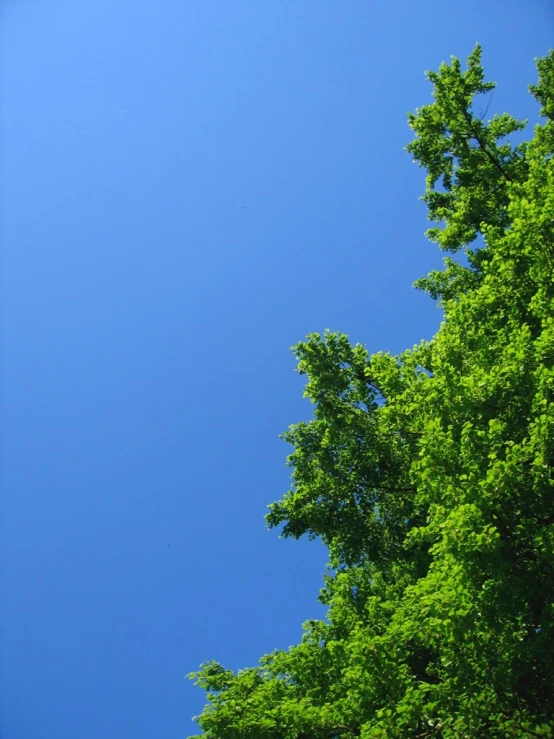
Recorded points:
(429, 475)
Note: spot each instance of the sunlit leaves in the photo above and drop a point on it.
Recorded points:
(468, 165)
(430, 475)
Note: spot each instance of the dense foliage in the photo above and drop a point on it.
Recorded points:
(429, 475)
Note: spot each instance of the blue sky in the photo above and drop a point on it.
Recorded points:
(187, 189)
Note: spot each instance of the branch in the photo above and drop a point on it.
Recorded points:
(339, 729)
(476, 136)
(488, 105)
(395, 490)
(342, 729)
(435, 730)
(364, 378)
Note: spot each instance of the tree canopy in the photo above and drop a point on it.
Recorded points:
(429, 475)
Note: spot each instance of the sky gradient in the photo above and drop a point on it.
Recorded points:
(188, 189)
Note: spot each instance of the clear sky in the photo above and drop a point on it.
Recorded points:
(187, 189)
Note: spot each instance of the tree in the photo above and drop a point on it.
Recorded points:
(429, 475)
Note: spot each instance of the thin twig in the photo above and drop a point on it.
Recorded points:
(484, 148)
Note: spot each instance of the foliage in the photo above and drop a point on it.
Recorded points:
(429, 475)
